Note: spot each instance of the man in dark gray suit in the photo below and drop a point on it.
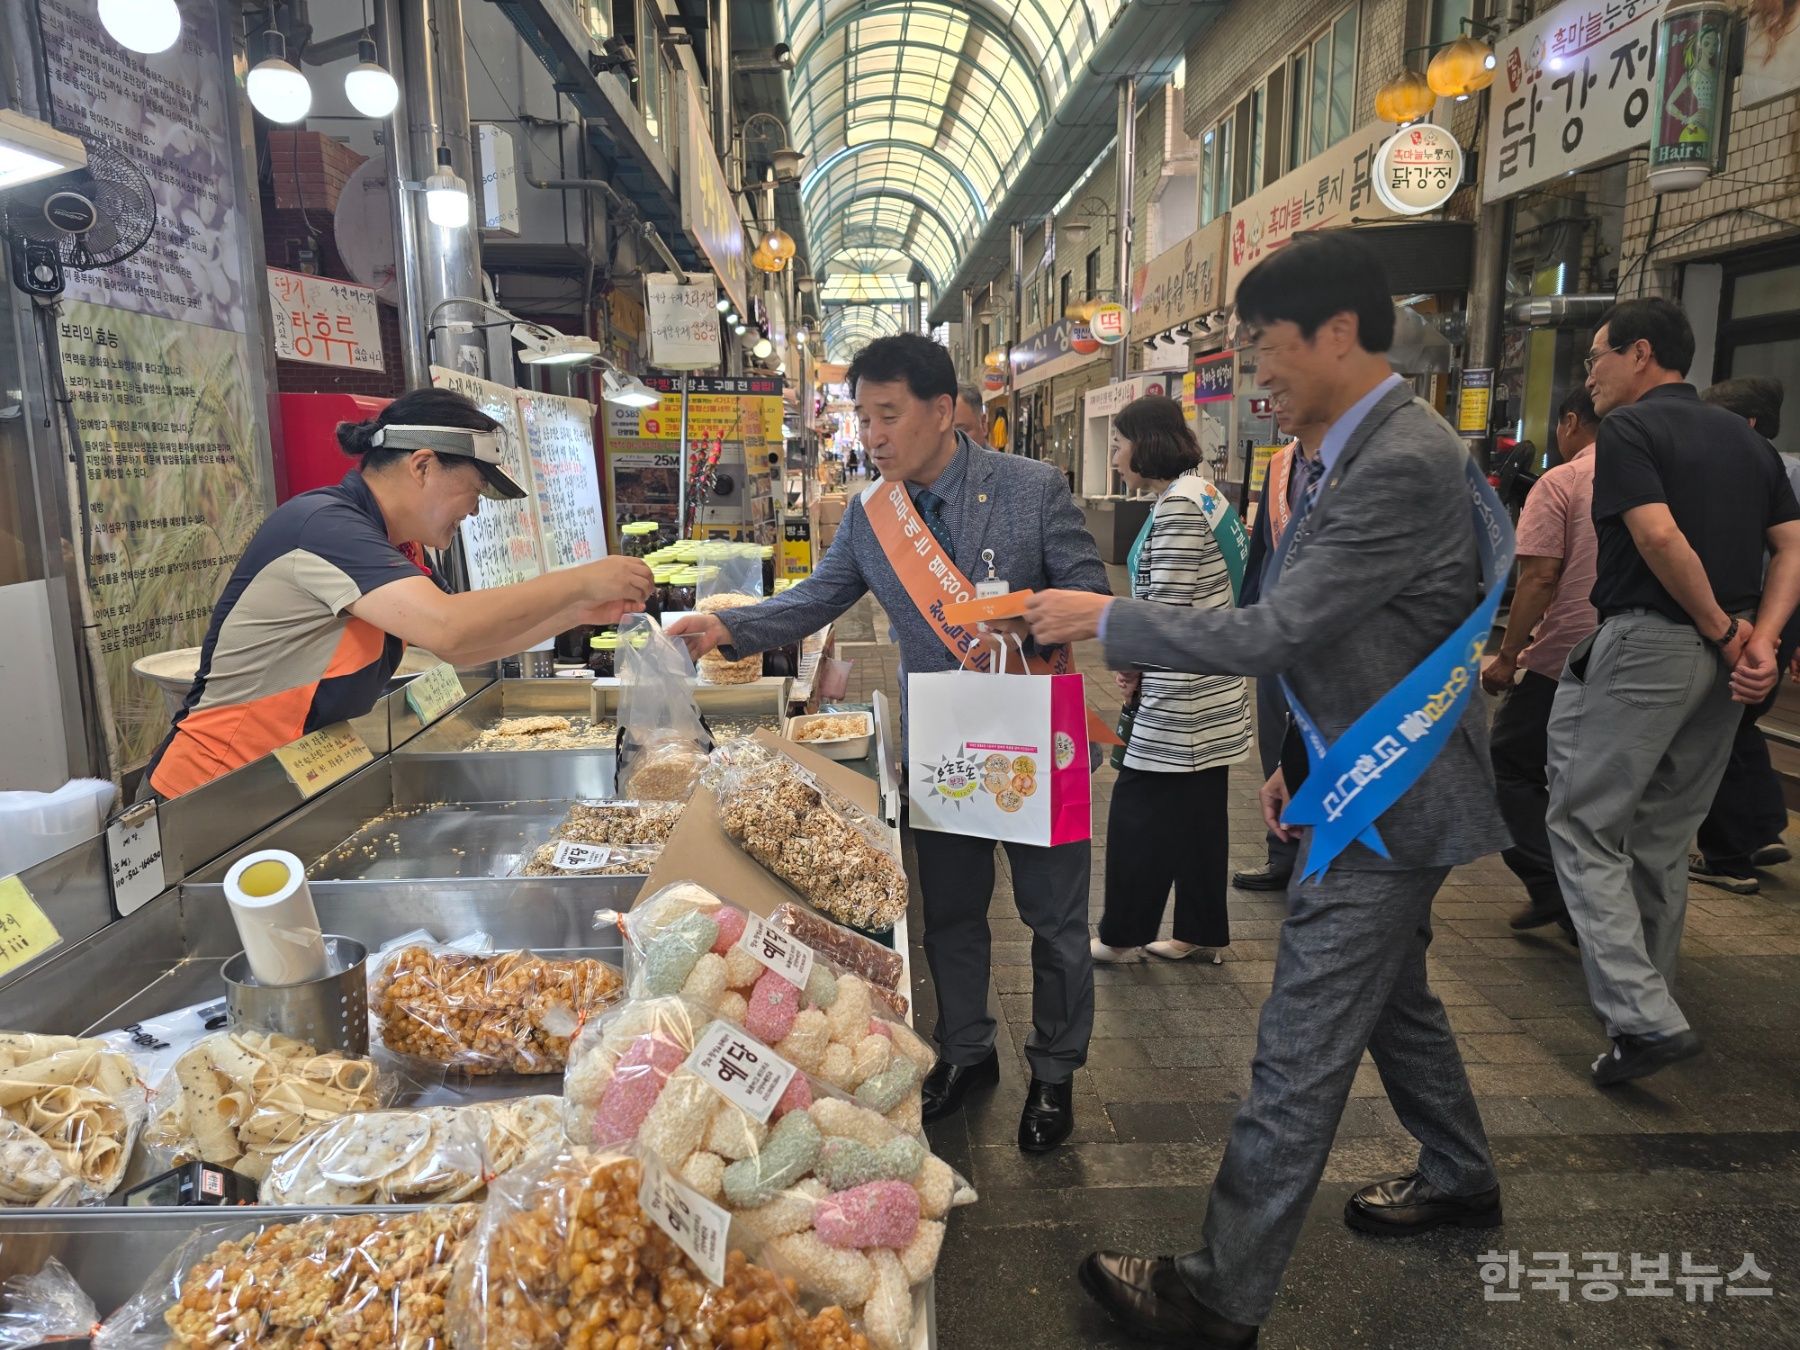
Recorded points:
(976, 502)
(1378, 567)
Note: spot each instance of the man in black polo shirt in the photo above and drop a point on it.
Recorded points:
(1686, 497)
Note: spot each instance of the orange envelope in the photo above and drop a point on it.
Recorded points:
(1008, 606)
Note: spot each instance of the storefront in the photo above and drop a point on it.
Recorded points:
(1051, 370)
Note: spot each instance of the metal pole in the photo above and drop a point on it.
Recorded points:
(402, 168)
(918, 314)
(1012, 336)
(971, 357)
(1487, 298)
(718, 58)
(1125, 161)
(681, 490)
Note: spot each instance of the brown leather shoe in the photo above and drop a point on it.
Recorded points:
(1146, 1296)
(1408, 1205)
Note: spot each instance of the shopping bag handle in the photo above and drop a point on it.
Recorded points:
(1000, 643)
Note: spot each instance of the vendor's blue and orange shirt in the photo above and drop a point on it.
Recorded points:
(284, 655)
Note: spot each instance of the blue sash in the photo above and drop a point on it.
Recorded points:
(1350, 783)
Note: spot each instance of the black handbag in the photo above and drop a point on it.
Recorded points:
(1127, 716)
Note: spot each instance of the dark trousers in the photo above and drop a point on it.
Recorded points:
(1748, 811)
(1167, 829)
(1050, 888)
(1271, 728)
(1518, 745)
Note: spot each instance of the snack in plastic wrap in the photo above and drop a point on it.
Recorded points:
(565, 1256)
(362, 1280)
(433, 1153)
(825, 1185)
(620, 822)
(716, 669)
(823, 846)
(70, 1108)
(566, 858)
(881, 966)
(241, 1097)
(43, 1307)
(510, 1012)
(662, 743)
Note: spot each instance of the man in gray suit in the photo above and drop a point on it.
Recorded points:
(1379, 565)
(976, 502)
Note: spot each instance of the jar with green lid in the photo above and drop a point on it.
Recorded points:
(603, 651)
(683, 589)
(638, 538)
(661, 575)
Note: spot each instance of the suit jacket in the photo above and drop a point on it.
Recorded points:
(1020, 508)
(1380, 572)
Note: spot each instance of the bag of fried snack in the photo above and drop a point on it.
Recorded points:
(662, 743)
(340, 1280)
(837, 1196)
(575, 1249)
(482, 1013)
(70, 1111)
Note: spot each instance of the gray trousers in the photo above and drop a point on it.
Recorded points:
(1271, 726)
(1639, 735)
(1349, 976)
(1050, 888)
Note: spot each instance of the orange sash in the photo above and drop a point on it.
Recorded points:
(1275, 497)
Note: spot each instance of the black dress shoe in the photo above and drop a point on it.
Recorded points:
(1536, 916)
(1268, 877)
(1408, 1205)
(1145, 1295)
(1638, 1056)
(1049, 1116)
(947, 1085)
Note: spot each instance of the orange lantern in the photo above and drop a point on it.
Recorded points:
(1465, 67)
(1405, 98)
(764, 261)
(780, 244)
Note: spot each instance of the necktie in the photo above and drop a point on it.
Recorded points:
(1309, 492)
(931, 509)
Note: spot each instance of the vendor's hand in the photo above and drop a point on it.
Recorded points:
(1274, 798)
(1756, 671)
(1497, 675)
(701, 632)
(612, 588)
(1127, 680)
(1065, 616)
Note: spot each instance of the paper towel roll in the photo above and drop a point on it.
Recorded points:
(276, 921)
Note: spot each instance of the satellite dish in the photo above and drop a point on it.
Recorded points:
(364, 230)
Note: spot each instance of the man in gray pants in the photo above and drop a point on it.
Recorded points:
(1686, 496)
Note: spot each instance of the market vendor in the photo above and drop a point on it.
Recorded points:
(334, 586)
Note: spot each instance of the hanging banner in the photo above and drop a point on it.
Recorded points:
(683, 321)
(324, 322)
(709, 212)
(559, 437)
(1182, 283)
(500, 540)
(1573, 90)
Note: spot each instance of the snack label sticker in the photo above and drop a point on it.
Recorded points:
(134, 854)
(777, 949)
(26, 932)
(434, 693)
(329, 755)
(741, 1069)
(693, 1223)
(571, 857)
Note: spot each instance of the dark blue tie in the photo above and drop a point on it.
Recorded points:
(1309, 492)
(931, 507)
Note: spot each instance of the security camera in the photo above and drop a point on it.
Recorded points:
(783, 56)
(618, 56)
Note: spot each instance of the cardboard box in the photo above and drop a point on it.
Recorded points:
(832, 506)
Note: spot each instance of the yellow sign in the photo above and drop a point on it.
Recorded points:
(1259, 465)
(330, 755)
(26, 932)
(1475, 402)
(434, 693)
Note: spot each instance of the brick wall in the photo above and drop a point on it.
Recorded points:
(1380, 44)
(1238, 50)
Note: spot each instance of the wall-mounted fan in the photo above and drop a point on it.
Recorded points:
(90, 217)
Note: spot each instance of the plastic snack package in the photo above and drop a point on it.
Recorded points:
(70, 1110)
(566, 858)
(239, 1098)
(835, 855)
(849, 950)
(566, 1255)
(504, 1012)
(439, 1154)
(731, 575)
(662, 742)
(46, 1306)
(838, 1196)
(620, 822)
(364, 1280)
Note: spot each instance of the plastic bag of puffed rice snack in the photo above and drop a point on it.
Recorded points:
(662, 742)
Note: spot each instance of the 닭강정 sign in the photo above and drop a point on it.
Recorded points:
(1418, 169)
(325, 322)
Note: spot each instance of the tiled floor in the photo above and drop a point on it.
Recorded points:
(1704, 1158)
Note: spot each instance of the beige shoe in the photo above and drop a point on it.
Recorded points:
(1114, 955)
(1171, 950)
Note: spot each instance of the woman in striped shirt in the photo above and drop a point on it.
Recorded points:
(1167, 826)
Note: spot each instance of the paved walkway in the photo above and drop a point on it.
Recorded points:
(1702, 1159)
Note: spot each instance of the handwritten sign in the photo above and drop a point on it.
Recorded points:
(777, 949)
(324, 322)
(573, 857)
(1183, 282)
(1573, 90)
(134, 855)
(741, 1069)
(433, 693)
(683, 320)
(559, 437)
(694, 1223)
(501, 539)
(26, 932)
(329, 755)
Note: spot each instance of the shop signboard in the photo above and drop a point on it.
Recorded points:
(1687, 142)
(1109, 323)
(1326, 191)
(708, 210)
(1109, 398)
(683, 321)
(1418, 169)
(1064, 346)
(501, 540)
(1573, 89)
(559, 437)
(1215, 377)
(324, 322)
(1183, 282)
(1474, 400)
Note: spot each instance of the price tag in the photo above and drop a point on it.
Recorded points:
(741, 1069)
(27, 933)
(694, 1223)
(134, 851)
(579, 857)
(329, 755)
(434, 693)
(777, 949)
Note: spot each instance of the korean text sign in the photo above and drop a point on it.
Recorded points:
(326, 322)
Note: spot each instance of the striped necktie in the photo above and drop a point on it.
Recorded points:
(931, 509)
(1309, 492)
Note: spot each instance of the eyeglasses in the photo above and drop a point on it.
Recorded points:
(1592, 359)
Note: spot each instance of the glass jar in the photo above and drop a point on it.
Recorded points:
(768, 569)
(683, 588)
(638, 539)
(603, 651)
(573, 644)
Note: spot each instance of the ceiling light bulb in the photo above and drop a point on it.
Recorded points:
(446, 195)
(370, 89)
(723, 305)
(147, 26)
(762, 348)
(739, 329)
(732, 317)
(277, 90)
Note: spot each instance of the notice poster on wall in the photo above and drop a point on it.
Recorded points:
(559, 436)
(324, 321)
(500, 540)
